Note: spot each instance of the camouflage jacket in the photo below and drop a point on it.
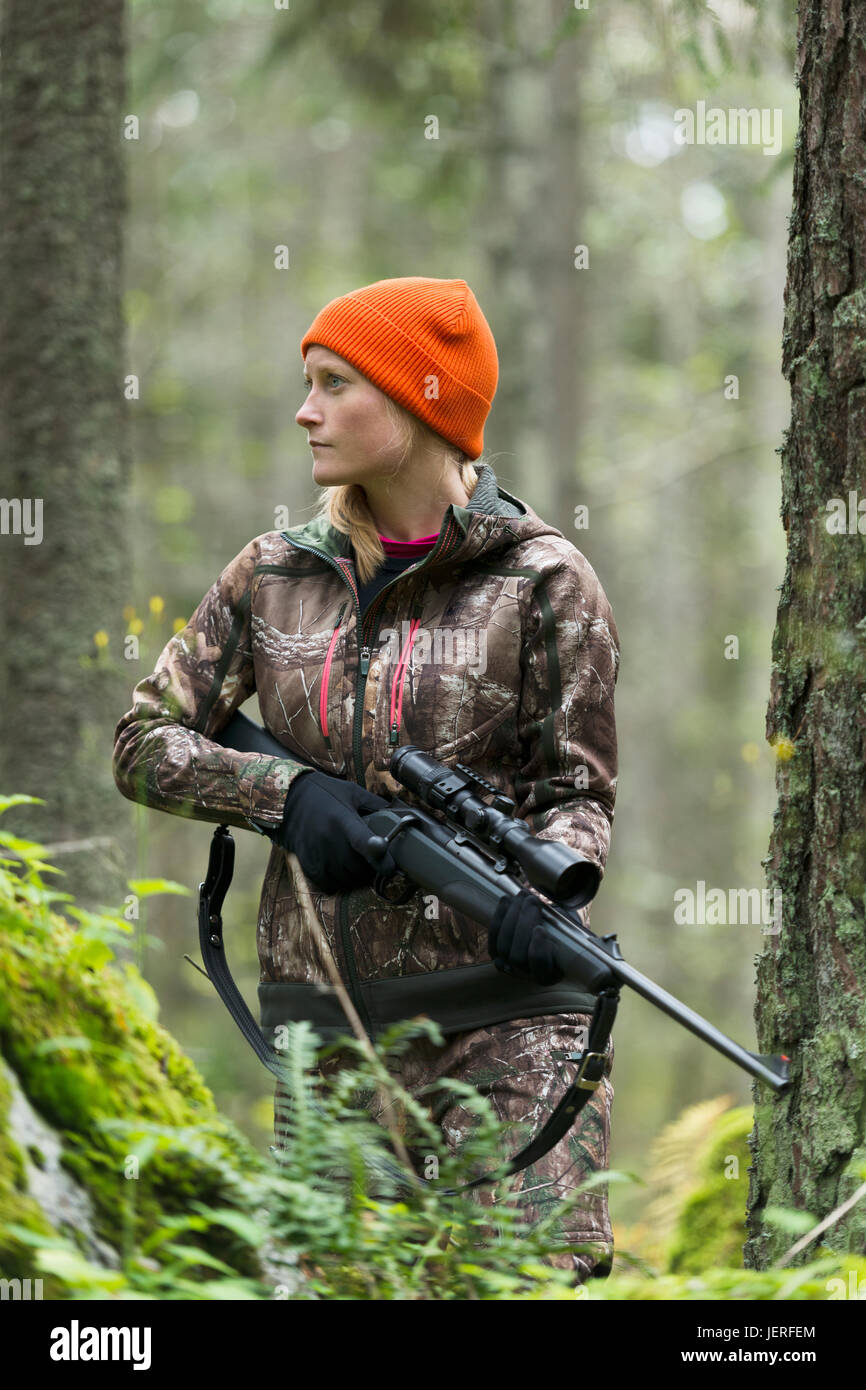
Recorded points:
(498, 650)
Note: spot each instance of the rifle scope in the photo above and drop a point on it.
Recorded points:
(555, 870)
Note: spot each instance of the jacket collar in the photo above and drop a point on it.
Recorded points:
(488, 496)
(491, 521)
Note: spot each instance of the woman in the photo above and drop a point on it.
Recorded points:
(425, 605)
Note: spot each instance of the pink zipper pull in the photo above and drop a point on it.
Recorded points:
(326, 675)
(397, 683)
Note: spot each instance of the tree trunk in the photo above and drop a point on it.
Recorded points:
(62, 424)
(532, 163)
(565, 321)
(809, 1149)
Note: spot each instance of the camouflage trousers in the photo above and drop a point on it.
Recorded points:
(523, 1067)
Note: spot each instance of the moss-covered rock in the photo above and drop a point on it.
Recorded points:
(110, 1138)
(17, 1207)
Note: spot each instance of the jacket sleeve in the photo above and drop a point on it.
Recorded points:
(566, 785)
(164, 754)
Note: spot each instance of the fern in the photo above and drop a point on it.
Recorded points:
(673, 1173)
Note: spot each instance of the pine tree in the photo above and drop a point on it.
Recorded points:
(809, 1149)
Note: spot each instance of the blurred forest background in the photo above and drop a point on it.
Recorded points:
(308, 128)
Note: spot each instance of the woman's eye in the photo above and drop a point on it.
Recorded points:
(332, 376)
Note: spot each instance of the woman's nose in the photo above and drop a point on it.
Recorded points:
(307, 416)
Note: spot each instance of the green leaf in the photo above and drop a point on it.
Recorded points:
(611, 1175)
(100, 924)
(143, 1147)
(227, 1291)
(26, 848)
(93, 955)
(74, 1269)
(20, 800)
(194, 1255)
(243, 1226)
(38, 1238)
(146, 887)
(790, 1219)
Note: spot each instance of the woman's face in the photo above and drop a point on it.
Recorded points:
(347, 415)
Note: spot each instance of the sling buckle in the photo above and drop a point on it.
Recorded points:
(589, 1084)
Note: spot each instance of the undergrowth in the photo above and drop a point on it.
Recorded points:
(182, 1205)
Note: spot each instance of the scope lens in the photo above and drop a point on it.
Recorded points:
(578, 885)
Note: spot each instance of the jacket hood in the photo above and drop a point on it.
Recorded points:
(491, 521)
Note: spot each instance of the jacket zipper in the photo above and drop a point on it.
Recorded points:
(326, 675)
(365, 636)
(442, 546)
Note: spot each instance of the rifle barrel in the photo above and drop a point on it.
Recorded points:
(772, 1069)
(463, 872)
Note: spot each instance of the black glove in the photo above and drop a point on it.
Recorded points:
(323, 825)
(518, 942)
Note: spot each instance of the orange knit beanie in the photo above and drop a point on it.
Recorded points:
(423, 342)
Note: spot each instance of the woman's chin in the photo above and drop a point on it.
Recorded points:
(321, 472)
(330, 472)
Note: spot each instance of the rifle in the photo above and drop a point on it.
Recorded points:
(470, 852)
(482, 853)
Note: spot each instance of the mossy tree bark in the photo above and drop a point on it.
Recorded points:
(809, 1149)
(63, 425)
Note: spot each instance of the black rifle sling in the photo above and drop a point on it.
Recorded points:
(210, 936)
(589, 1074)
(591, 1060)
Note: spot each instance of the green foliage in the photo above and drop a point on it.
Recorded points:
(672, 1176)
(370, 1231)
(829, 1277)
(138, 1128)
(711, 1226)
(189, 1211)
(690, 1245)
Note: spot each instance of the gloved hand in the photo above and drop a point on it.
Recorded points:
(518, 943)
(323, 825)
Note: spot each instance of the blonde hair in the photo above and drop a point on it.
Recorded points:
(345, 506)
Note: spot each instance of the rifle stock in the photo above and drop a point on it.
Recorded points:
(246, 736)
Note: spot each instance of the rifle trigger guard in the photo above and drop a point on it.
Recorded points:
(385, 888)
